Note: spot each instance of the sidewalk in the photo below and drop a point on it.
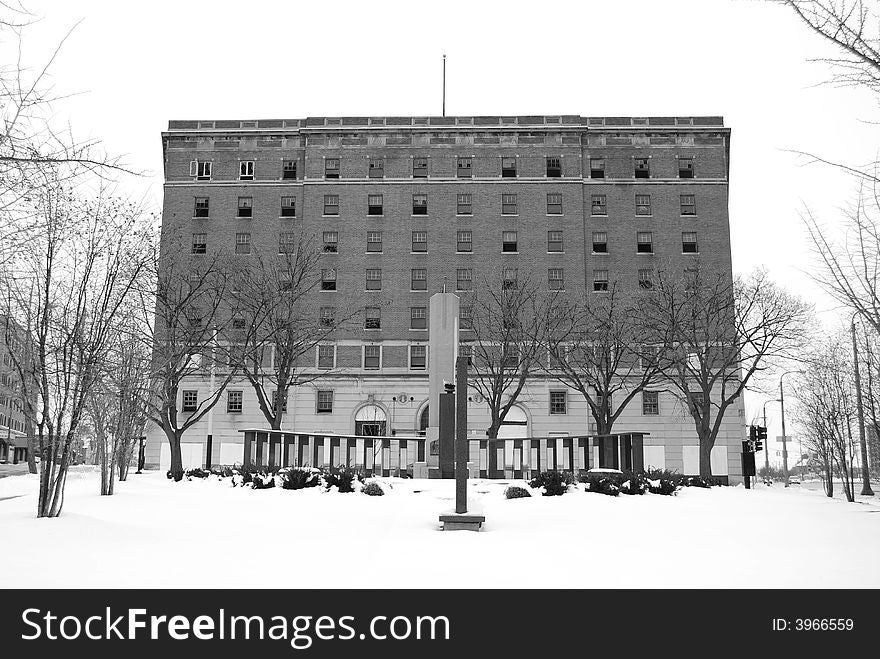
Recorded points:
(13, 470)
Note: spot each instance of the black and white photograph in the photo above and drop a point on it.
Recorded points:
(409, 328)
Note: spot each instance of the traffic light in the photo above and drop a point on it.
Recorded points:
(753, 432)
(759, 445)
(761, 432)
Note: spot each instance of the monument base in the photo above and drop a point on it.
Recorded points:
(472, 520)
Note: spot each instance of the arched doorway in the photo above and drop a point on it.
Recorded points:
(515, 424)
(423, 421)
(369, 421)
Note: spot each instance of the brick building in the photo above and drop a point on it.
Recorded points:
(403, 206)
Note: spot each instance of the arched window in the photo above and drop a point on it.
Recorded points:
(515, 424)
(423, 421)
(369, 421)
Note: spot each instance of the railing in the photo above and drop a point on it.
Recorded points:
(408, 456)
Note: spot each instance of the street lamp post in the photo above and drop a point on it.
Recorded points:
(784, 437)
(767, 448)
(866, 476)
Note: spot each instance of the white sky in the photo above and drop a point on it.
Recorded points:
(137, 65)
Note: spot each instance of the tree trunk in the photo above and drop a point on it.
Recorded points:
(31, 455)
(706, 457)
(829, 481)
(176, 470)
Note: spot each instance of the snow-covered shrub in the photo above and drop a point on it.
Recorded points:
(555, 483)
(515, 492)
(662, 486)
(222, 471)
(263, 480)
(603, 483)
(197, 472)
(373, 489)
(633, 483)
(297, 478)
(344, 479)
(699, 481)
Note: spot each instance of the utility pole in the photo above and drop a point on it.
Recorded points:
(767, 448)
(784, 436)
(866, 475)
(444, 84)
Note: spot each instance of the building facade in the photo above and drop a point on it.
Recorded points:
(404, 207)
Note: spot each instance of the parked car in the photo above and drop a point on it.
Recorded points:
(794, 480)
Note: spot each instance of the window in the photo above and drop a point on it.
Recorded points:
(420, 168)
(555, 279)
(510, 356)
(646, 278)
(288, 206)
(466, 318)
(554, 241)
(331, 168)
(508, 241)
(201, 169)
(420, 241)
(374, 241)
(597, 167)
(554, 167)
(418, 357)
(374, 279)
(650, 403)
(275, 402)
(598, 205)
(325, 402)
(288, 169)
(554, 204)
(689, 242)
(190, 400)
(464, 168)
(201, 207)
(419, 279)
(242, 243)
(234, 401)
(644, 242)
(246, 170)
(200, 243)
(600, 242)
(600, 280)
(685, 167)
(464, 279)
(372, 318)
(328, 316)
(642, 168)
(418, 318)
(420, 204)
(557, 402)
(508, 204)
(245, 207)
(286, 243)
(508, 167)
(326, 356)
(377, 168)
(372, 357)
(375, 204)
(331, 204)
(331, 242)
(464, 241)
(688, 204)
(643, 204)
(328, 280)
(464, 206)
(508, 279)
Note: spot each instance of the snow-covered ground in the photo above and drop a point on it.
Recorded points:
(156, 533)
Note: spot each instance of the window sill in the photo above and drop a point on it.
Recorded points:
(372, 329)
(418, 329)
(509, 214)
(334, 215)
(648, 215)
(287, 217)
(694, 215)
(467, 253)
(369, 252)
(201, 217)
(598, 214)
(600, 253)
(691, 253)
(464, 215)
(424, 251)
(418, 215)
(233, 411)
(644, 253)
(372, 290)
(376, 215)
(511, 253)
(556, 252)
(555, 214)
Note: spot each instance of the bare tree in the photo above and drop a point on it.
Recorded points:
(184, 311)
(597, 346)
(719, 334)
(827, 411)
(63, 290)
(508, 321)
(275, 329)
